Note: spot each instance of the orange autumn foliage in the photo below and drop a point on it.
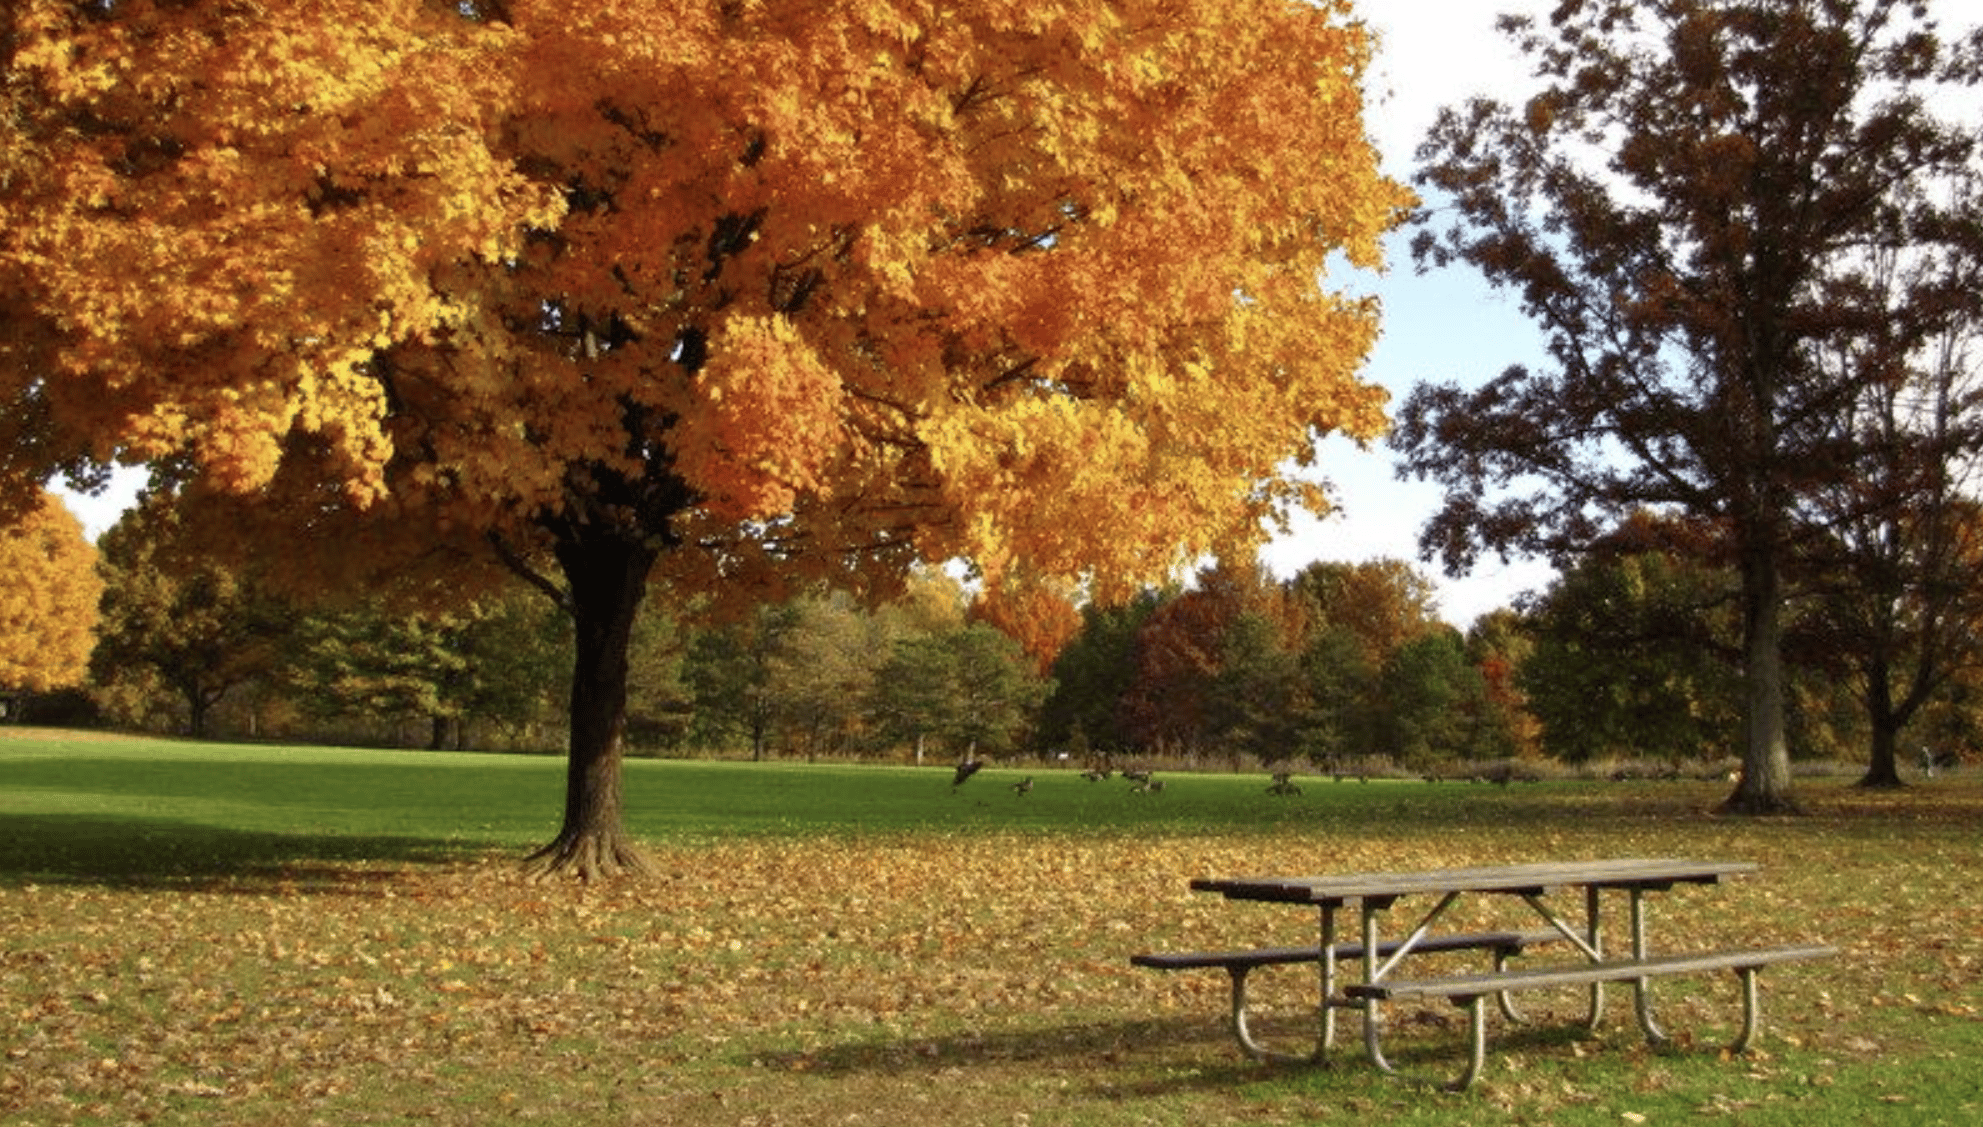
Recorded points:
(876, 280)
(732, 293)
(48, 601)
(1038, 613)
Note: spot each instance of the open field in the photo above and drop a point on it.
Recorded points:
(196, 933)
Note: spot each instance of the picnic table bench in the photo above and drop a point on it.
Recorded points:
(1374, 894)
(1237, 964)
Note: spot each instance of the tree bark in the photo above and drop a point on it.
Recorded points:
(1764, 786)
(199, 707)
(1883, 766)
(1883, 771)
(607, 576)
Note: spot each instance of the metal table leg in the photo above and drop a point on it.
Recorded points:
(1326, 1036)
(1372, 1044)
(1642, 987)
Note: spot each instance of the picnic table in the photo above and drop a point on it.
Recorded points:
(1375, 895)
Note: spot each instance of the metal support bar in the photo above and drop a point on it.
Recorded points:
(1751, 1011)
(1325, 1039)
(1372, 1016)
(1642, 987)
(1568, 930)
(1477, 1050)
(1503, 998)
(1594, 922)
(1243, 1033)
(1417, 936)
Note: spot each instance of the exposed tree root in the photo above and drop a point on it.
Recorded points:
(589, 857)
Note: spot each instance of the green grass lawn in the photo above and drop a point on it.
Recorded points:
(200, 933)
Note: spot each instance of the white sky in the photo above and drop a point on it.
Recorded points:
(1443, 326)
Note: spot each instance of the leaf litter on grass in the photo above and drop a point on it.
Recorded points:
(830, 979)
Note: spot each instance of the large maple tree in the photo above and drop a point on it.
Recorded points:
(726, 294)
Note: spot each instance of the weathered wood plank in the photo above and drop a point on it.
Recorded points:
(1510, 941)
(1463, 989)
(1528, 879)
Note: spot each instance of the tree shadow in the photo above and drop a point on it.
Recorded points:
(136, 852)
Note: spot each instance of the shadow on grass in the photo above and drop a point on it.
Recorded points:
(137, 852)
(1155, 1058)
(1084, 1043)
(1143, 1059)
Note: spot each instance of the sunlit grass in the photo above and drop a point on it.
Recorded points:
(209, 934)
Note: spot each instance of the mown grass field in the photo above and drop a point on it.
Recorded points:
(196, 933)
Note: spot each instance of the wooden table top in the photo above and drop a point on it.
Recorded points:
(1536, 879)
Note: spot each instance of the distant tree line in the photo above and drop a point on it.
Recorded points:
(1633, 653)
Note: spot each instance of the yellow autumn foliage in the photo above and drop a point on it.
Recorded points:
(48, 603)
(877, 280)
(769, 421)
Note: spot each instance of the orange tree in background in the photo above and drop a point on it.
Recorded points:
(48, 602)
(724, 294)
(1041, 614)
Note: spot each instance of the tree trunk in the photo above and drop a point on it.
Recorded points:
(1883, 768)
(1883, 771)
(607, 576)
(199, 707)
(1765, 785)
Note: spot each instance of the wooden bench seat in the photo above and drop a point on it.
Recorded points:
(1472, 990)
(1463, 989)
(1238, 964)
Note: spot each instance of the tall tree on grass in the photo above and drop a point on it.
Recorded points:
(723, 294)
(48, 604)
(1693, 206)
(1899, 613)
(201, 626)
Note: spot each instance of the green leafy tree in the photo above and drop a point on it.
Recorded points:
(823, 672)
(1433, 700)
(203, 628)
(382, 667)
(1344, 693)
(1260, 704)
(492, 664)
(1093, 673)
(1357, 617)
(998, 687)
(731, 671)
(660, 702)
(1694, 204)
(1635, 653)
(974, 690)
